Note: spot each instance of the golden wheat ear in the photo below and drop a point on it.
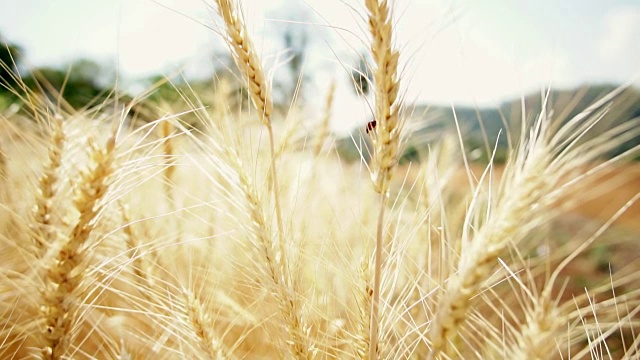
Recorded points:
(386, 140)
(279, 270)
(44, 230)
(247, 61)
(66, 266)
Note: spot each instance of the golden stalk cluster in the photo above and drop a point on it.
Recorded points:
(461, 260)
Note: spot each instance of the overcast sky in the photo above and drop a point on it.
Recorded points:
(460, 51)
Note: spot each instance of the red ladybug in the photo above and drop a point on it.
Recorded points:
(371, 125)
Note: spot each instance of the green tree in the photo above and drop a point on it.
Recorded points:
(78, 85)
(10, 58)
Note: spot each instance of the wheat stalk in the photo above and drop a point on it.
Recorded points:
(323, 131)
(246, 58)
(63, 272)
(277, 270)
(386, 138)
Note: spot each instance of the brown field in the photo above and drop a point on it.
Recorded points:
(601, 196)
(607, 201)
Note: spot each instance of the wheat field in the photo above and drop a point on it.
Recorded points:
(245, 236)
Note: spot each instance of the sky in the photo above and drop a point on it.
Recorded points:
(452, 51)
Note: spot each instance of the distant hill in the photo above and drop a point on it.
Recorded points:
(480, 126)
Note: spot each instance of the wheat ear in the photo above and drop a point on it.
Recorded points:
(141, 267)
(362, 340)
(521, 205)
(246, 58)
(277, 270)
(272, 265)
(63, 273)
(202, 326)
(480, 256)
(386, 138)
(43, 231)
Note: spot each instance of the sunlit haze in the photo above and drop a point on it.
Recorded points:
(461, 52)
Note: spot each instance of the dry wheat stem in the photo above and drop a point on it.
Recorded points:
(247, 60)
(375, 303)
(323, 132)
(386, 139)
(63, 274)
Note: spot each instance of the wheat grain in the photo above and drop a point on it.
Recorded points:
(44, 229)
(479, 257)
(202, 327)
(387, 137)
(64, 271)
(246, 59)
(168, 151)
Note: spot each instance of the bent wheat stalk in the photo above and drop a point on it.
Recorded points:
(247, 61)
(543, 168)
(246, 58)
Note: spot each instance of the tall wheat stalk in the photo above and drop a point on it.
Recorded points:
(246, 58)
(247, 61)
(386, 138)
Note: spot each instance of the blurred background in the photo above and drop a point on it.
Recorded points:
(482, 58)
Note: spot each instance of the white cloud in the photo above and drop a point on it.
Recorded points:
(619, 45)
